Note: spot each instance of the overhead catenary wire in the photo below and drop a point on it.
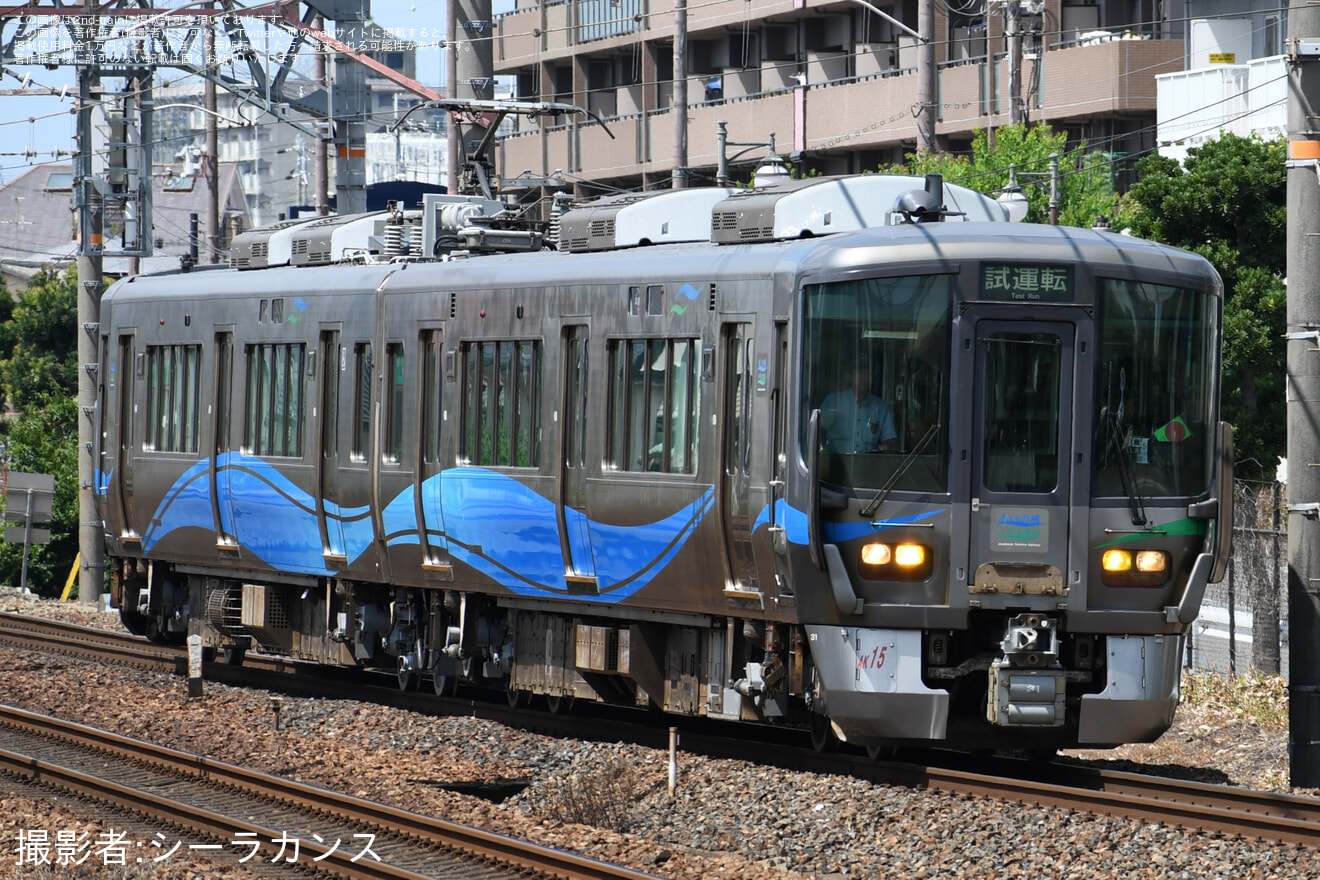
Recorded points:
(1092, 146)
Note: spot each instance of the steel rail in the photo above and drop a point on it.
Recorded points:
(1202, 806)
(510, 853)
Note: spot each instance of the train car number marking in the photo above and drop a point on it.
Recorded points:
(873, 660)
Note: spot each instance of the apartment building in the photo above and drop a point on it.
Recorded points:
(834, 80)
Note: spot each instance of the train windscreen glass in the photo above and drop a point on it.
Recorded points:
(1022, 406)
(1154, 390)
(876, 356)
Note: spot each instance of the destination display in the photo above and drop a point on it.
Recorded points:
(1027, 283)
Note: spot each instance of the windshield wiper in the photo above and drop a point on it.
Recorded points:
(874, 504)
(1125, 471)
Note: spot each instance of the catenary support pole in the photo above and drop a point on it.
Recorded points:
(926, 76)
(1304, 392)
(91, 533)
(680, 102)
(211, 157)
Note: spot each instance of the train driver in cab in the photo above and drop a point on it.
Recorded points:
(854, 419)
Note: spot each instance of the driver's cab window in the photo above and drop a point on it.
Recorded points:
(875, 359)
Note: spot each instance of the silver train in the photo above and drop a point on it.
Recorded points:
(864, 459)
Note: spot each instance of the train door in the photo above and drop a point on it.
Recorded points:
(129, 367)
(430, 508)
(329, 513)
(221, 509)
(1022, 436)
(574, 526)
(736, 454)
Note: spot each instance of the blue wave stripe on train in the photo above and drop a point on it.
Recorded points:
(506, 531)
(794, 522)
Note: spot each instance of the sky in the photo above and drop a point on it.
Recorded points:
(52, 125)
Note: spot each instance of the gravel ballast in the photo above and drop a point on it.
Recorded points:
(727, 819)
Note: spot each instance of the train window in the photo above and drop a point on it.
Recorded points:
(655, 299)
(431, 396)
(275, 404)
(1155, 389)
(172, 386)
(634, 300)
(501, 400)
(654, 405)
(738, 401)
(876, 355)
(394, 365)
(362, 374)
(1022, 406)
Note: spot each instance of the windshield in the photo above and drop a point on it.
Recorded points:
(1155, 388)
(876, 356)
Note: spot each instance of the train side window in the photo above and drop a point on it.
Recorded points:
(431, 386)
(362, 375)
(394, 364)
(526, 416)
(275, 404)
(173, 379)
(634, 300)
(501, 400)
(654, 405)
(655, 299)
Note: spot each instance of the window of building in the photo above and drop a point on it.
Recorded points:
(501, 401)
(172, 384)
(655, 401)
(275, 399)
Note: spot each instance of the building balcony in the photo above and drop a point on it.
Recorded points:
(821, 112)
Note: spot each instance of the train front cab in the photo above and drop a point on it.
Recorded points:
(1018, 565)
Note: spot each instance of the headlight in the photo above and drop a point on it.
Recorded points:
(882, 561)
(1116, 560)
(877, 554)
(1152, 561)
(1134, 568)
(910, 555)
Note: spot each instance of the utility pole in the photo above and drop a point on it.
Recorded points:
(321, 158)
(926, 75)
(474, 70)
(87, 202)
(1303, 394)
(1013, 37)
(453, 137)
(211, 158)
(680, 103)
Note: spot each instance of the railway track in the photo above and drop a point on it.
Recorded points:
(268, 817)
(1134, 796)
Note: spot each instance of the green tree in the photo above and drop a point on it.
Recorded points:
(44, 439)
(1228, 203)
(39, 378)
(38, 340)
(1085, 186)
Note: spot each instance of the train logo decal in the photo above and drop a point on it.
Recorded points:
(688, 291)
(1021, 529)
(505, 530)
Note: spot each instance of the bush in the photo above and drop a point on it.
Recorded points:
(603, 798)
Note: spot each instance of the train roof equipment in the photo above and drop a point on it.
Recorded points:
(458, 225)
